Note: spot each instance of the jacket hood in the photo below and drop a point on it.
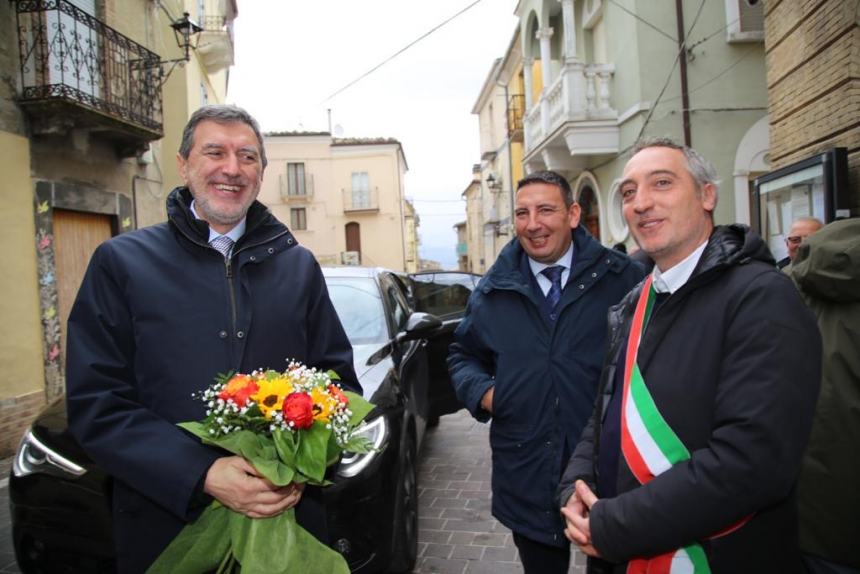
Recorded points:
(734, 244)
(259, 221)
(828, 263)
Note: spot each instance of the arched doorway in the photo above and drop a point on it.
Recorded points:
(353, 239)
(590, 211)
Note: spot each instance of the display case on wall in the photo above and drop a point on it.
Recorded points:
(815, 187)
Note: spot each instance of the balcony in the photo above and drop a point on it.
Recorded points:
(77, 72)
(574, 118)
(516, 111)
(357, 200)
(215, 45)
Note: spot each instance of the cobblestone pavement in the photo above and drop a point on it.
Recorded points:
(456, 532)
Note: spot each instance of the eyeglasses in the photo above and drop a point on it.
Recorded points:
(794, 239)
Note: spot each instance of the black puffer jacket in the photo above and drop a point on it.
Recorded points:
(158, 315)
(732, 360)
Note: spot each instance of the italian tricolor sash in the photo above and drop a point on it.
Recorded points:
(651, 447)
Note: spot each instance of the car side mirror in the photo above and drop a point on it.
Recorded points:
(419, 326)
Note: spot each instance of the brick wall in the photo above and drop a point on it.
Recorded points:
(16, 414)
(812, 52)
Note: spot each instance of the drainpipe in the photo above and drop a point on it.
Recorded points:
(685, 95)
(511, 181)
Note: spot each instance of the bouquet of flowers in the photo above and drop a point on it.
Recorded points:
(290, 426)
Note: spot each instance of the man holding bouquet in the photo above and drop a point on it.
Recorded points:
(221, 286)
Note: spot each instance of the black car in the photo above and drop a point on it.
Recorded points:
(400, 327)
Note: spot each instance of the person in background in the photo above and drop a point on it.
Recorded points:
(528, 354)
(801, 228)
(221, 286)
(690, 460)
(826, 269)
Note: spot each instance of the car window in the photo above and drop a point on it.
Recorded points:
(397, 303)
(442, 294)
(359, 305)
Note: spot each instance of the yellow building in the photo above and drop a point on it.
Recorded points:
(343, 198)
(89, 127)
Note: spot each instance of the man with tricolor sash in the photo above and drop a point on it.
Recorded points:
(690, 460)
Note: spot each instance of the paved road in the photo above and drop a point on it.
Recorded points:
(457, 534)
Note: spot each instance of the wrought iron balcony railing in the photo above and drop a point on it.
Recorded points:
(69, 56)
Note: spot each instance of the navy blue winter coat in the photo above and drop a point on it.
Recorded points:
(545, 375)
(158, 315)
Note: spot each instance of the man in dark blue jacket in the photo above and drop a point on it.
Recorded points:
(528, 355)
(222, 286)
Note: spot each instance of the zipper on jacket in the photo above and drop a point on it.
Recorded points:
(228, 266)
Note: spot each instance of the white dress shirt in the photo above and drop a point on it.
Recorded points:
(675, 278)
(565, 261)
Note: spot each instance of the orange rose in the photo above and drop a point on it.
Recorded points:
(335, 392)
(299, 410)
(239, 389)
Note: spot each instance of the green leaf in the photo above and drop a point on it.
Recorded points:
(285, 445)
(200, 546)
(279, 545)
(311, 451)
(358, 445)
(359, 407)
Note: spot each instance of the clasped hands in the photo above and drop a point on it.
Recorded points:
(236, 484)
(576, 516)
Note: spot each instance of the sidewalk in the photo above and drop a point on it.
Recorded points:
(456, 532)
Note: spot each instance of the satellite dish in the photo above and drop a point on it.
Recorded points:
(338, 130)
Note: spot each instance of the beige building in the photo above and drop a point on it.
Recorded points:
(95, 97)
(343, 198)
(500, 108)
(462, 247)
(474, 194)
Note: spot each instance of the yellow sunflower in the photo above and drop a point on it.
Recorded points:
(324, 404)
(273, 391)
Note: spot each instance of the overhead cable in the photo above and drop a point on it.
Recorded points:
(400, 51)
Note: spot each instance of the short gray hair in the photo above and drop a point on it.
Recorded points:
(702, 171)
(222, 114)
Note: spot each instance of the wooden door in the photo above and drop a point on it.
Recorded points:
(353, 238)
(76, 236)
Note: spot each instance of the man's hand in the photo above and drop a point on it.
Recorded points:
(237, 485)
(575, 513)
(487, 400)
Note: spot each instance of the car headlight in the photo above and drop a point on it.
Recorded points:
(376, 431)
(34, 457)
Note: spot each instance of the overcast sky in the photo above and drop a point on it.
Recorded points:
(293, 54)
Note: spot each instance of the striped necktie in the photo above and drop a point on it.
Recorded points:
(553, 296)
(223, 244)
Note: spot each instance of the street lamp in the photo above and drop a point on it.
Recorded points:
(183, 29)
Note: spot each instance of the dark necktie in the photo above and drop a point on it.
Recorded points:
(553, 296)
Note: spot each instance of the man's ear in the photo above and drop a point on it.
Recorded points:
(709, 197)
(574, 212)
(182, 166)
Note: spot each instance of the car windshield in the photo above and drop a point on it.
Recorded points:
(359, 306)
